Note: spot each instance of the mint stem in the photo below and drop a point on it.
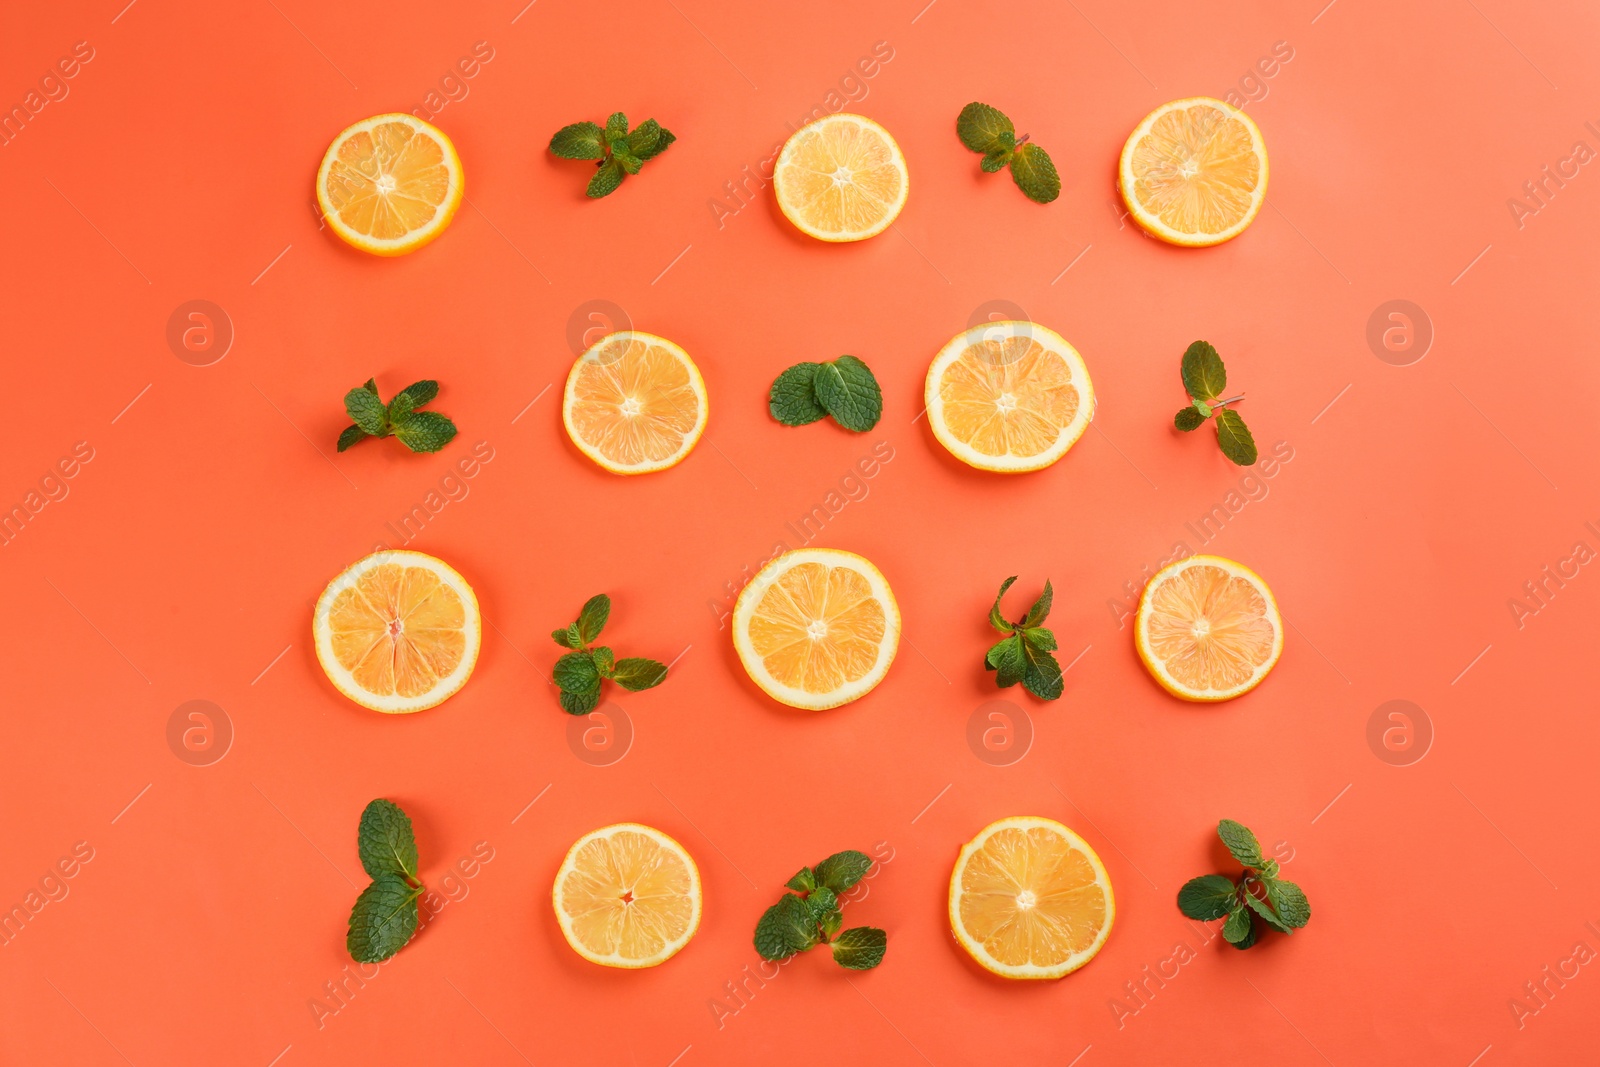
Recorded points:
(1022, 140)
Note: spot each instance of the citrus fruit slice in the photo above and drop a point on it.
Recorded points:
(397, 632)
(817, 628)
(389, 184)
(1194, 172)
(1030, 899)
(1208, 628)
(635, 403)
(841, 178)
(1009, 396)
(627, 896)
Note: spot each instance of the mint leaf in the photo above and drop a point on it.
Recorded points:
(371, 386)
(1041, 674)
(847, 390)
(1040, 609)
(604, 660)
(803, 880)
(995, 160)
(1264, 910)
(662, 141)
(576, 673)
(792, 400)
(1007, 661)
(1241, 842)
(366, 410)
(622, 159)
(419, 392)
(1210, 896)
(1040, 638)
(385, 840)
(564, 638)
(1188, 419)
(581, 140)
(860, 948)
(1290, 902)
(636, 674)
(605, 180)
(831, 923)
(1203, 408)
(400, 407)
(842, 870)
(592, 617)
(995, 618)
(383, 920)
(425, 431)
(1204, 377)
(1234, 437)
(1238, 927)
(980, 127)
(351, 435)
(820, 902)
(616, 126)
(1035, 174)
(785, 929)
(580, 703)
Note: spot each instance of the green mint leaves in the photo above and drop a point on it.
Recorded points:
(420, 431)
(1205, 379)
(616, 152)
(844, 388)
(385, 915)
(987, 130)
(579, 672)
(1024, 654)
(811, 916)
(1259, 896)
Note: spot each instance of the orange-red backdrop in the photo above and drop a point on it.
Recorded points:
(181, 559)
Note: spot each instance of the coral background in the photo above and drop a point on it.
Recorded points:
(180, 562)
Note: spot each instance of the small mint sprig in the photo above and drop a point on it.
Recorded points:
(811, 916)
(1205, 379)
(1025, 653)
(987, 130)
(385, 915)
(1258, 897)
(616, 152)
(844, 388)
(580, 672)
(420, 431)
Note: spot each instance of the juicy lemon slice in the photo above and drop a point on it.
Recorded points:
(1009, 396)
(390, 184)
(397, 631)
(817, 628)
(1208, 628)
(841, 178)
(1194, 172)
(627, 896)
(1030, 899)
(635, 403)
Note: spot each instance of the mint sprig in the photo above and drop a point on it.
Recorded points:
(580, 672)
(1259, 896)
(616, 151)
(988, 131)
(420, 431)
(844, 388)
(811, 916)
(385, 915)
(1025, 653)
(1205, 380)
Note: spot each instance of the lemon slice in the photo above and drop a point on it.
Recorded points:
(627, 896)
(1030, 899)
(390, 184)
(1208, 628)
(635, 403)
(1009, 396)
(817, 628)
(1194, 172)
(841, 178)
(397, 632)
